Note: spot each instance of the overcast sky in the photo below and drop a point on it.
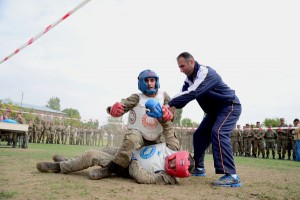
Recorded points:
(93, 58)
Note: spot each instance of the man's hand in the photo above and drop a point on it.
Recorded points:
(167, 114)
(117, 110)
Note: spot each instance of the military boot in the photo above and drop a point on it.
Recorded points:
(58, 158)
(273, 156)
(267, 156)
(282, 157)
(112, 167)
(279, 156)
(47, 167)
(263, 156)
(99, 173)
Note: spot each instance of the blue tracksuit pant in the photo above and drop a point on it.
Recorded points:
(216, 129)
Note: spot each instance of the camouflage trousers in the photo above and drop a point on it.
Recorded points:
(270, 144)
(281, 146)
(247, 145)
(235, 145)
(132, 140)
(103, 156)
(259, 147)
(241, 147)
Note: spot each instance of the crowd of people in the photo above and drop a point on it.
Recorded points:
(255, 141)
(50, 133)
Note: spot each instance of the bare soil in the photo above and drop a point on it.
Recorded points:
(20, 178)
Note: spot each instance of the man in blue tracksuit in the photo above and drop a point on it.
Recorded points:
(222, 110)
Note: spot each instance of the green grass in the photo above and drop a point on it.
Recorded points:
(7, 195)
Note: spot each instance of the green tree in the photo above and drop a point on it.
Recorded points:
(274, 122)
(74, 116)
(186, 122)
(54, 103)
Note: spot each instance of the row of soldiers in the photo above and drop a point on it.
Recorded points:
(47, 132)
(256, 141)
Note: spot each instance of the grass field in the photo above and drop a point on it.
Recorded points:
(19, 179)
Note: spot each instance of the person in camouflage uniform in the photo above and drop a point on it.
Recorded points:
(95, 136)
(39, 129)
(59, 134)
(282, 139)
(289, 142)
(72, 135)
(88, 133)
(47, 132)
(24, 137)
(81, 135)
(31, 133)
(101, 134)
(247, 135)
(235, 140)
(52, 133)
(241, 141)
(155, 164)
(270, 136)
(258, 135)
(142, 129)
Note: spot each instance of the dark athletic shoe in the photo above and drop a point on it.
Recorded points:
(228, 181)
(199, 172)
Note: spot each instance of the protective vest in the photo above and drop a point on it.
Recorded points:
(152, 158)
(138, 119)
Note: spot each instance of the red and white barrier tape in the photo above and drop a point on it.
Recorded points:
(31, 40)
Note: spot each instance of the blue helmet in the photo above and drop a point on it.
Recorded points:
(143, 86)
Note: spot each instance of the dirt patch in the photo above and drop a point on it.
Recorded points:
(20, 179)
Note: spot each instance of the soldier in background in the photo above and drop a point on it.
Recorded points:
(81, 135)
(282, 139)
(39, 129)
(185, 138)
(270, 136)
(190, 133)
(52, 133)
(47, 132)
(247, 135)
(72, 136)
(289, 142)
(234, 141)
(252, 139)
(101, 134)
(95, 136)
(31, 133)
(63, 134)
(58, 131)
(241, 141)
(23, 137)
(258, 135)
(109, 136)
(67, 134)
(88, 133)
